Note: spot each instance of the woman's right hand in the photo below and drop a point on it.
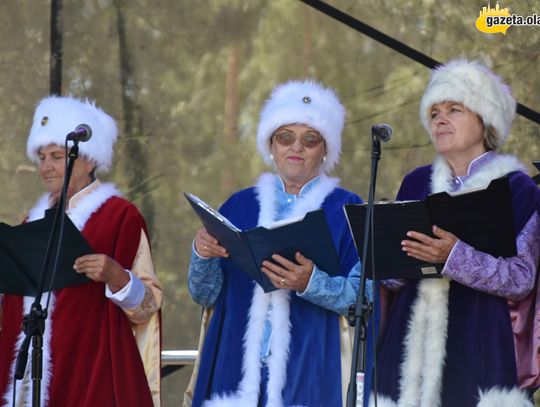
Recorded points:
(206, 245)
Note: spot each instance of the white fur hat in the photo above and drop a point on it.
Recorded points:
(477, 88)
(56, 116)
(306, 103)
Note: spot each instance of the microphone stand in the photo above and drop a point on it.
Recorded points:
(34, 321)
(359, 315)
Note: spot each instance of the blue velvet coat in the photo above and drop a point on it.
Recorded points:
(314, 365)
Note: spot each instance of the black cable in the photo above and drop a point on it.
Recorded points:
(34, 321)
(373, 315)
(398, 46)
(62, 201)
(14, 394)
(372, 33)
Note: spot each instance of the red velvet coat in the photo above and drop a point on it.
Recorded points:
(94, 355)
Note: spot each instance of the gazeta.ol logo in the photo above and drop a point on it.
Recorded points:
(485, 21)
(498, 20)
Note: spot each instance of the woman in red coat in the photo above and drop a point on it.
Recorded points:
(101, 345)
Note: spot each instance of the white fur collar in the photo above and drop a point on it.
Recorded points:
(248, 388)
(425, 346)
(79, 214)
(499, 165)
(306, 202)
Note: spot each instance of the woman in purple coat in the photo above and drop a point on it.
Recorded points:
(449, 341)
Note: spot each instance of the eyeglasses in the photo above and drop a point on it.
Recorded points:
(309, 139)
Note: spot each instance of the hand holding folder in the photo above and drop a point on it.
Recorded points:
(481, 218)
(248, 249)
(22, 249)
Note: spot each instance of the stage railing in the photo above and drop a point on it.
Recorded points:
(173, 360)
(178, 357)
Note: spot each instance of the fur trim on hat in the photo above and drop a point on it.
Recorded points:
(307, 103)
(477, 88)
(57, 116)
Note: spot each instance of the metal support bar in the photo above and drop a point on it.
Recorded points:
(178, 357)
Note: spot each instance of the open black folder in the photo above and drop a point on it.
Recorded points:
(23, 247)
(482, 218)
(247, 249)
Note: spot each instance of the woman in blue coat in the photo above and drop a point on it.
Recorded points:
(289, 347)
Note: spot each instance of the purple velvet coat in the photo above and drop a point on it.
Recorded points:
(479, 343)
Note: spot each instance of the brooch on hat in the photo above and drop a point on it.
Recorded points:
(306, 100)
(44, 120)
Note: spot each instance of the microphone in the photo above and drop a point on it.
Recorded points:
(82, 132)
(382, 132)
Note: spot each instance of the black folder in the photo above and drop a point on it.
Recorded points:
(22, 249)
(247, 249)
(481, 218)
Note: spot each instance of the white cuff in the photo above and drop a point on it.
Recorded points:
(130, 296)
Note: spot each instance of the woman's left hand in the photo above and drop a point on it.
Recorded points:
(102, 268)
(426, 248)
(287, 274)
